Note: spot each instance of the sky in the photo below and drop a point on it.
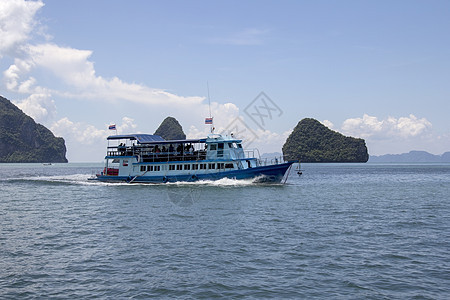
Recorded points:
(378, 70)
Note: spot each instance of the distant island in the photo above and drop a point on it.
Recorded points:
(412, 156)
(311, 141)
(22, 140)
(170, 129)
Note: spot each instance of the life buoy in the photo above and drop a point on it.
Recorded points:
(165, 179)
(194, 178)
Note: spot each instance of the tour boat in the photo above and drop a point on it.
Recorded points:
(145, 158)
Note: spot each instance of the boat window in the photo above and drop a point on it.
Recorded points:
(171, 167)
(220, 145)
(179, 167)
(149, 168)
(157, 168)
(230, 145)
(220, 165)
(194, 167)
(202, 166)
(212, 166)
(229, 166)
(239, 145)
(187, 167)
(213, 147)
(142, 168)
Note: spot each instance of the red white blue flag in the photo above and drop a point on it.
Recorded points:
(112, 127)
(209, 121)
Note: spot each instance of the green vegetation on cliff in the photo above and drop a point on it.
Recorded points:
(23, 140)
(311, 141)
(170, 129)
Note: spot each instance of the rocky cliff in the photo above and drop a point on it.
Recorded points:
(23, 140)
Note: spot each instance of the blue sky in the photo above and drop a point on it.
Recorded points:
(379, 70)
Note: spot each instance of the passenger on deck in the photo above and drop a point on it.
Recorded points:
(170, 148)
(121, 148)
(164, 149)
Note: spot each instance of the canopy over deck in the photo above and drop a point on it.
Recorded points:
(146, 139)
(140, 138)
(149, 139)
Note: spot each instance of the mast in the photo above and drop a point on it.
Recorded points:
(210, 120)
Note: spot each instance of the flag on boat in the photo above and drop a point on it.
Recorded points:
(209, 121)
(112, 127)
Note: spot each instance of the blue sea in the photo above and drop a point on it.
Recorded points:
(339, 231)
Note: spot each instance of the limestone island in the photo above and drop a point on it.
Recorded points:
(22, 140)
(170, 129)
(313, 142)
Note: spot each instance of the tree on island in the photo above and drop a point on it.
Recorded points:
(311, 141)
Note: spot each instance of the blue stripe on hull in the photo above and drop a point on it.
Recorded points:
(273, 174)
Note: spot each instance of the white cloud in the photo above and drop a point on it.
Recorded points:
(223, 115)
(85, 142)
(328, 123)
(371, 127)
(80, 133)
(230, 122)
(16, 23)
(40, 107)
(73, 68)
(13, 74)
(87, 134)
(127, 125)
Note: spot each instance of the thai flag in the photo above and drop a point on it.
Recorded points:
(209, 121)
(112, 127)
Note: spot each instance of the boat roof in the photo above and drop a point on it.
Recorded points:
(152, 139)
(156, 139)
(140, 138)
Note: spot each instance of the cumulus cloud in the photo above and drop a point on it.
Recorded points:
(328, 123)
(372, 127)
(41, 107)
(13, 74)
(229, 121)
(73, 68)
(87, 134)
(16, 23)
(223, 115)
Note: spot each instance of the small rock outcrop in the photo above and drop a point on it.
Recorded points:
(22, 140)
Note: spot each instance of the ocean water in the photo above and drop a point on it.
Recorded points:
(339, 231)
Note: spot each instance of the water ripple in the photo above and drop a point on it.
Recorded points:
(339, 231)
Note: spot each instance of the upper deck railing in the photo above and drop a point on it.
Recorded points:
(272, 161)
(150, 155)
(144, 154)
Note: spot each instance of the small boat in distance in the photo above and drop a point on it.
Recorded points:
(144, 158)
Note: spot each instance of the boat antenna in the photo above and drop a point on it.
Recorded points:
(210, 120)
